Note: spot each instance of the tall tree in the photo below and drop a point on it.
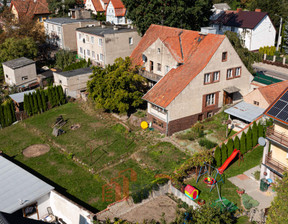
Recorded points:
(27, 106)
(43, 100)
(118, 87)
(12, 109)
(237, 143)
(65, 58)
(184, 14)
(2, 118)
(249, 140)
(35, 104)
(30, 97)
(278, 212)
(255, 134)
(260, 130)
(61, 94)
(39, 100)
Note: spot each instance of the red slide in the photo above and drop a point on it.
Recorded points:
(228, 161)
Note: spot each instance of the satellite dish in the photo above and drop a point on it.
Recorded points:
(261, 141)
(144, 58)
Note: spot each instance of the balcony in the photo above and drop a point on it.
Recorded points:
(275, 164)
(150, 75)
(277, 137)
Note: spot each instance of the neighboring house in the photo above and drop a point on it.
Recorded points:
(104, 44)
(30, 9)
(25, 195)
(18, 99)
(198, 74)
(254, 28)
(254, 105)
(275, 159)
(218, 9)
(6, 218)
(96, 6)
(62, 31)
(73, 82)
(19, 72)
(116, 13)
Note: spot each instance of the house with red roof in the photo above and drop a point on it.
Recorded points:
(116, 13)
(96, 6)
(195, 75)
(255, 28)
(30, 9)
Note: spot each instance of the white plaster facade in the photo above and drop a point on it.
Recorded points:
(262, 35)
(113, 19)
(90, 6)
(104, 49)
(22, 76)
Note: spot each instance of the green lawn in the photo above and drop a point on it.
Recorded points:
(100, 142)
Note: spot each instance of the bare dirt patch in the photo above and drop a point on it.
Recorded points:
(36, 150)
(75, 126)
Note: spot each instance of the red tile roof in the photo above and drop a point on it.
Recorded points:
(30, 8)
(242, 19)
(97, 5)
(197, 51)
(271, 92)
(119, 7)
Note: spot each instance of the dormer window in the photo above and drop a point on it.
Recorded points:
(224, 56)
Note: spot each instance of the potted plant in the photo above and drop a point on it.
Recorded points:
(240, 191)
(201, 202)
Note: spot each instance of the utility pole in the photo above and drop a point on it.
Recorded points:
(279, 35)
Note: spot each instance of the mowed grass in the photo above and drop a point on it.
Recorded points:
(100, 142)
(53, 167)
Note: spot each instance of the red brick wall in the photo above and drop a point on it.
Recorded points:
(150, 119)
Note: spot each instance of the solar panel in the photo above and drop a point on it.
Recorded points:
(286, 109)
(280, 104)
(285, 97)
(273, 111)
(283, 116)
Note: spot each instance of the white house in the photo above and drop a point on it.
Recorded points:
(96, 5)
(116, 12)
(255, 28)
(218, 9)
(25, 195)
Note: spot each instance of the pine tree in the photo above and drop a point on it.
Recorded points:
(260, 130)
(61, 94)
(12, 109)
(249, 140)
(243, 143)
(31, 103)
(7, 114)
(230, 146)
(43, 100)
(224, 153)
(39, 101)
(50, 99)
(218, 156)
(35, 104)
(254, 134)
(236, 143)
(57, 98)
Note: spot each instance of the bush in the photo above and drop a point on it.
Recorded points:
(237, 143)
(207, 143)
(249, 139)
(224, 152)
(254, 134)
(218, 156)
(249, 202)
(257, 175)
(80, 64)
(243, 143)
(198, 129)
(230, 146)
(260, 131)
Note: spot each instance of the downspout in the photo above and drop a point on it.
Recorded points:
(167, 126)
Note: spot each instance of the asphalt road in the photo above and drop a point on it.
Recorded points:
(271, 72)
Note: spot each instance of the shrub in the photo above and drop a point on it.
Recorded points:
(207, 143)
(243, 143)
(249, 202)
(224, 153)
(198, 128)
(260, 131)
(249, 139)
(218, 156)
(255, 134)
(237, 143)
(230, 146)
(257, 175)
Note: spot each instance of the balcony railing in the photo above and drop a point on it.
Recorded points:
(277, 136)
(150, 75)
(275, 164)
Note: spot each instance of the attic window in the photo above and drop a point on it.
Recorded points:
(224, 56)
(158, 50)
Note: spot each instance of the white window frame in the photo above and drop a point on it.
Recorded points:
(101, 57)
(167, 69)
(80, 36)
(207, 78)
(93, 54)
(87, 38)
(100, 42)
(210, 99)
(130, 40)
(81, 50)
(238, 72)
(92, 40)
(88, 53)
(217, 75)
(229, 73)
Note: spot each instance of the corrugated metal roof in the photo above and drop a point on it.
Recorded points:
(19, 188)
(245, 111)
(19, 97)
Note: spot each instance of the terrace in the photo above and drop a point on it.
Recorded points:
(277, 137)
(275, 164)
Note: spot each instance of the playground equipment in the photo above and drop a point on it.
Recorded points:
(229, 160)
(209, 180)
(191, 192)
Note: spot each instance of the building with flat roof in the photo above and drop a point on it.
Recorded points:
(73, 82)
(19, 72)
(104, 44)
(62, 31)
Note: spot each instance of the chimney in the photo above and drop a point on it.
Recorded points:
(257, 10)
(239, 9)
